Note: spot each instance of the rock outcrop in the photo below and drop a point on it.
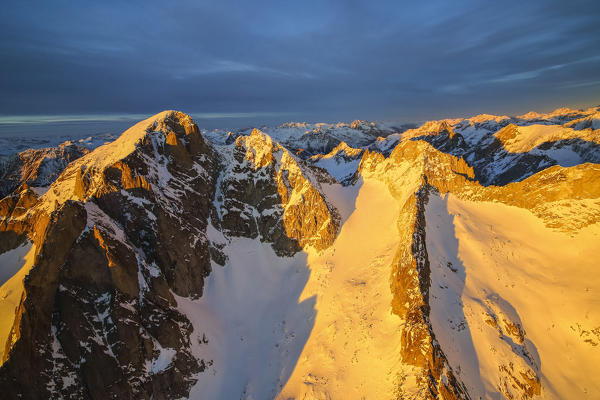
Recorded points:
(37, 167)
(123, 234)
(125, 237)
(265, 191)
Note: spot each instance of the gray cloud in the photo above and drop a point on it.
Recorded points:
(320, 60)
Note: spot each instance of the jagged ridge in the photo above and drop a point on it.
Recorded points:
(129, 232)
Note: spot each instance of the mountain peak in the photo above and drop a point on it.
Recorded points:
(345, 149)
(169, 137)
(171, 257)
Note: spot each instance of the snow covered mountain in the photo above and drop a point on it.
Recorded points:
(37, 167)
(457, 260)
(11, 145)
(306, 140)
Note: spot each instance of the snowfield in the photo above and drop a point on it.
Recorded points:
(492, 261)
(346, 274)
(14, 266)
(316, 325)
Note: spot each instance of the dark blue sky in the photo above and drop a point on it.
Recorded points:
(301, 60)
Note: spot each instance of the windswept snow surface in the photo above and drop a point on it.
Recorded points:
(529, 137)
(12, 261)
(249, 326)
(354, 349)
(339, 168)
(316, 325)
(505, 263)
(14, 266)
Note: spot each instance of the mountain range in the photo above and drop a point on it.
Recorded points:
(454, 260)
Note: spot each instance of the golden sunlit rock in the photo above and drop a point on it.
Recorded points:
(455, 260)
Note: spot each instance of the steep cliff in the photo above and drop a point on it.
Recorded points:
(451, 261)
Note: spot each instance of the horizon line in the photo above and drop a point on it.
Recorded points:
(125, 117)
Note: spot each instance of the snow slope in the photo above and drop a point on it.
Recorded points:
(531, 136)
(316, 325)
(354, 349)
(341, 163)
(14, 266)
(514, 305)
(250, 325)
(508, 269)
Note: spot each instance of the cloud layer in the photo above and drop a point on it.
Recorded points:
(316, 60)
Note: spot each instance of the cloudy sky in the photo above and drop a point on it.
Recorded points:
(298, 60)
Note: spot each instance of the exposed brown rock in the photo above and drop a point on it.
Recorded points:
(117, 241)
(269, 193)
(409, 283)
(99, 297)
(37, 167)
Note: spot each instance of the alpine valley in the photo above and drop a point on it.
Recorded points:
(455, 260)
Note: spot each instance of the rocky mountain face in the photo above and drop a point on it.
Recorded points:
(307, 140)
(451, 261)
(341, 162)
(37, 167)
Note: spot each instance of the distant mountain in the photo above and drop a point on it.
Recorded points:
(37, 167)
(306, 140)
(456, 260)
(341, 163)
